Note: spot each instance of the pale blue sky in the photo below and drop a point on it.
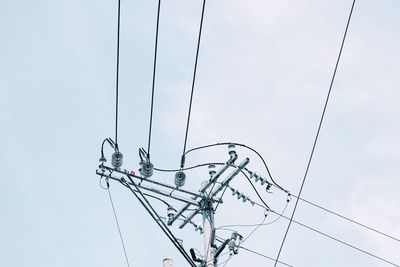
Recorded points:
(263, 74)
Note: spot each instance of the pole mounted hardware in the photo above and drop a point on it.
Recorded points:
(195, 202)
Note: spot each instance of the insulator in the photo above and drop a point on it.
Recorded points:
(117, 159)
(268, 186)
(231, 245)
(170, 214)
(235, 192)
(211, 170)
(170, 211)
(147, 169)
(180, 178)
(231, 149)
(199, 228)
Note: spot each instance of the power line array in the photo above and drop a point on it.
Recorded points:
(205, 201)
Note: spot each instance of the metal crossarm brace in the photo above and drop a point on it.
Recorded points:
(203, 189)
(216, 191)
(155, 190)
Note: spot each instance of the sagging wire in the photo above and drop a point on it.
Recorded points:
(255, 229)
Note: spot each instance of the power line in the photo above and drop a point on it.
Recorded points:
(318, 131)
(116, 220)
(348, 219)
(264, 256)
(193, 83)
(117, 75)
(319, 232)
(154, 78)
(340, 241)
(189, 168)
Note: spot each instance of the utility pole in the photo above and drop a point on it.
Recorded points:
(199, 202)
(209, 234)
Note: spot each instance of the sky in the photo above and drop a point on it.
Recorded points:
(263, 74)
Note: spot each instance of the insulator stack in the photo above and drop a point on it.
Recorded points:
(180, 178)
(147, 169)
(117, 159)
(239, 195)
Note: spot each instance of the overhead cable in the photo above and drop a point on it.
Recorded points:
(117, 75)
(318, 131)
(348, 219)
(264, 256)
(154, 77)
(193, 84)
(314, 230)
(341, 241)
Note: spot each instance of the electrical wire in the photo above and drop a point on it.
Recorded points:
(318, 131)
(348, 219)
(255, 228)
(225, 262)
(188, 168)
(323, 234)
(116, 220)
(256, 191)
(341, 241)
(264, 256)
(154, 78)
(302, 199)
(219, 239)
(193, 82)
(241, 145)
(117, 75)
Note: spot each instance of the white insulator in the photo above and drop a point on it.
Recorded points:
(231, 149)
(170, 214)
(117, 159)
(180, 178)
(211, 170)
